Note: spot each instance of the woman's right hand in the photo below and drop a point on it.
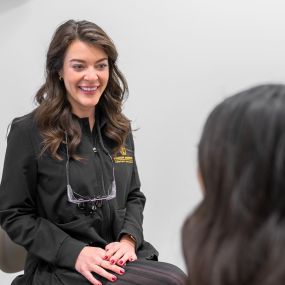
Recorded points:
(92, 259)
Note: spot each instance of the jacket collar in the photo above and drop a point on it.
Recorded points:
(100, 119)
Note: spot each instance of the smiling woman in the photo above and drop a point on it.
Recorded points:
(70, 191)
(85, 74)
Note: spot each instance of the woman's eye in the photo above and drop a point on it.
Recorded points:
(102, 66)
(77, 66)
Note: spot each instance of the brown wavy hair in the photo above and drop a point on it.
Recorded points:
(53, 114)
(236, 235)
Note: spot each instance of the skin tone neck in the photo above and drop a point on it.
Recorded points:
(91, 122)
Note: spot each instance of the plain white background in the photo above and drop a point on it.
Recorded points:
(180, 59)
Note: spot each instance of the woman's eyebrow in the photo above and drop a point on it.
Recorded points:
(83, 61)
(102, 59)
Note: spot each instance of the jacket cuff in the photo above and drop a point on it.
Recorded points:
(69, 252)
(133, 232)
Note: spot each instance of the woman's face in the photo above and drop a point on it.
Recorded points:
(85, 73)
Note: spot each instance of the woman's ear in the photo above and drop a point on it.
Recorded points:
(60, 74)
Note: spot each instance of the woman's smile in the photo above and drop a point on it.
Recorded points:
(85, 73)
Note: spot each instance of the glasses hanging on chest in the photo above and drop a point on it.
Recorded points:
(90, 202)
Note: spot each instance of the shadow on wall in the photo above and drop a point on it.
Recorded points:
(6, 5)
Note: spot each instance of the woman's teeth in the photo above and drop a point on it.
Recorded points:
(88, 89)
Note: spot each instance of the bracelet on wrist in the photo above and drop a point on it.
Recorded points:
(132, 238)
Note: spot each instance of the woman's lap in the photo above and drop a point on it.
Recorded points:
(140, 272)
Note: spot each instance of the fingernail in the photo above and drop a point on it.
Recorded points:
(112, 261)
(105, 257)
(122, 271)
(114, 278)
(121, 262)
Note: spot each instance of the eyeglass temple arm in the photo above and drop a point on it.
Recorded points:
(67, 160)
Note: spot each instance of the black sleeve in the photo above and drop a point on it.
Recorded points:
(135, 206)
(18, 209)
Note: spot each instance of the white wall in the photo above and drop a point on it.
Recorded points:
(180, 58)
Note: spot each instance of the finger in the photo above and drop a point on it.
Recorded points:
(102, 272)
(111, 245)
(119, 254)
(110, 252)
(102, 256)
(133, 257)
(127, 257)
(88, 275)
(113, 267)
(122, 261)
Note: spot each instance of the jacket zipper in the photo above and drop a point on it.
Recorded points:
(106, 207)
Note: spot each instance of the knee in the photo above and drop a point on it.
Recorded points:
(175, 276)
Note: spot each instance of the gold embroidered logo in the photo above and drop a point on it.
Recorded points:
(123, 151)
(123, 157)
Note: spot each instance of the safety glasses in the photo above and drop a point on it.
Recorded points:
(108, 191)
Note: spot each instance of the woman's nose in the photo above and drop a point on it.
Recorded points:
(91, 74)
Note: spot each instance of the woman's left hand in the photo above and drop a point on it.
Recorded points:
(122, 251)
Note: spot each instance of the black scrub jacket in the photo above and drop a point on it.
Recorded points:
(34, 209)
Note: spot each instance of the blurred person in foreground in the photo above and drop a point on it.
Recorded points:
(236, 235)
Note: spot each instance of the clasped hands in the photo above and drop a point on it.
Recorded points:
(112, 258)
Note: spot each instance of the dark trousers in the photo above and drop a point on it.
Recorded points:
(140, 272)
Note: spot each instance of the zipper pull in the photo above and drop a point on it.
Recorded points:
(94, 149)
